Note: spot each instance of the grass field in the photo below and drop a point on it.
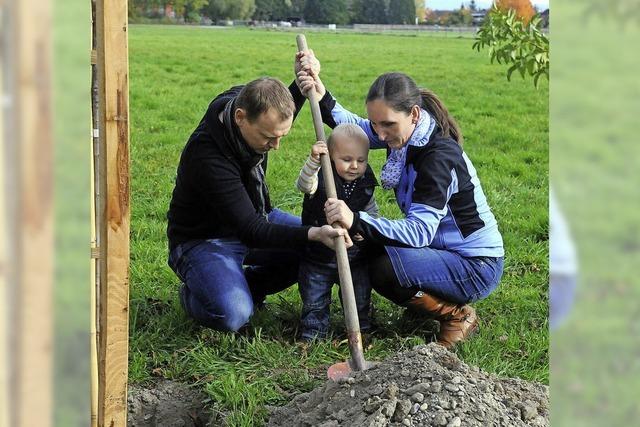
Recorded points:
(176, 71)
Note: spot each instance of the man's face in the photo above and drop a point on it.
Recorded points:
(393, 127)
(264, 133)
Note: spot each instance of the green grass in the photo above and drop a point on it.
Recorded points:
(176, 71)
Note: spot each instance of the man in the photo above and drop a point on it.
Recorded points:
(220, 216)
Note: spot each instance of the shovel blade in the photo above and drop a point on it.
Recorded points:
(344, 369)
(339, 370)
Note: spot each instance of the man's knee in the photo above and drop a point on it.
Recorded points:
(232, 312)
(235, 317)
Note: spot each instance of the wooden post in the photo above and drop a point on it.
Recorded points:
(112, 216)
(27, 214)
(95, 197)
(4, 253)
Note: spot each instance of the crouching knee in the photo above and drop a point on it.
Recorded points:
(225, 312)
(235, 318)
(232, 317)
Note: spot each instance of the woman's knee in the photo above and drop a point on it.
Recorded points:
(385, 282)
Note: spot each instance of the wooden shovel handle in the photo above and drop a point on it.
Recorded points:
(344, 271)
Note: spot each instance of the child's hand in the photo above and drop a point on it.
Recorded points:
(357, 238)
(319, 148)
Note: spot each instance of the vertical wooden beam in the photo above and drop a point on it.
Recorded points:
(28, 210)
(113, 206)
(4, 253)
(95, 197)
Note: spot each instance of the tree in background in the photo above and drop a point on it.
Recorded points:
(465, 15)
(472, 6)
(458, 17)
(272, 10)
(326, 12)
(356, 11)
(230, 9)
(522, 8)
(187, 9)
(139, 8)
(374, 12)
(421, 12)
(512, 41)
(430, 17)
(401, 12)
(297, 8)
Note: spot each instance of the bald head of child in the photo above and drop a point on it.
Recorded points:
(349, 150)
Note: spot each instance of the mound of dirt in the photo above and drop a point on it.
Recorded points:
(426, 386)
(165, 404)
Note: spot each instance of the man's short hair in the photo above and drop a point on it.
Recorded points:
(260, 95)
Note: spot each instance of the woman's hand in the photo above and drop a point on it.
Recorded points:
(337, 211)
(306, 61)
(307, 69)
(319, 148)
(327, 234)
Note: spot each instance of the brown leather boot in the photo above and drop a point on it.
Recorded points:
(457, 321)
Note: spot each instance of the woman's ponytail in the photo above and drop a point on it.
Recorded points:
(440, 114)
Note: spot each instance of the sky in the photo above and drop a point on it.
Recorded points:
(481, 4)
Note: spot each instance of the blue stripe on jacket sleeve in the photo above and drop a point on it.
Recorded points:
(417, 230)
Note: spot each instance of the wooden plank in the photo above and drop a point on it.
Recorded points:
(113, 207)
(95, 197)
(4, 253)
(31, 221)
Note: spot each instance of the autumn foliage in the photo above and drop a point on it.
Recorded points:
(523, 8)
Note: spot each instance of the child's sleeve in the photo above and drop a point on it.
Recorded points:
(372, 208)
(308, 179)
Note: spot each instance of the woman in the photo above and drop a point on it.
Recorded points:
(447, 251)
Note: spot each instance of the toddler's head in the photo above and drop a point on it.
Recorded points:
(349, 150)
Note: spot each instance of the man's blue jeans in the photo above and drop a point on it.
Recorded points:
(315, 282)
(218, 292)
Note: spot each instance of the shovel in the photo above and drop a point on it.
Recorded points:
(357, 362)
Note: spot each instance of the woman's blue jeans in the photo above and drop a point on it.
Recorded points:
(446, 274)
(218, 291)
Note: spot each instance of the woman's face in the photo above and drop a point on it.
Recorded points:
(393, 127)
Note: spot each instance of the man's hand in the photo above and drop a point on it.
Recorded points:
(309, 81)
(337, 211)
(326, 235)
(319, 148)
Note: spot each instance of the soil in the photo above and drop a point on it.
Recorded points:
(426, 386)
(167, 403)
